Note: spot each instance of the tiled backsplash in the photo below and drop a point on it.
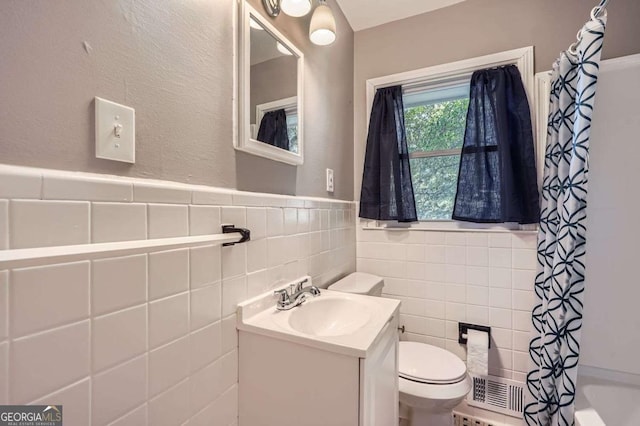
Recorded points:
(147, 338)
(444, 277)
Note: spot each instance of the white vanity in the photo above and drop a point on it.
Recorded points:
(331, 361)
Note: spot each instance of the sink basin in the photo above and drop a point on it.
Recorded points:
(341, 323)
(329, 316)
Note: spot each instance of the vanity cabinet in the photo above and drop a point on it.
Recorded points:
(379, 380)
(290, 383)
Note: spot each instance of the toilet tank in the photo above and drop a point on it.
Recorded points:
(359, 283)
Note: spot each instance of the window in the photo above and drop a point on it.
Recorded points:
(435, 123)
(292, 130)
(290, 106)
(435, 138)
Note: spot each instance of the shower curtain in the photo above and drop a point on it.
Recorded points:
(559, 284)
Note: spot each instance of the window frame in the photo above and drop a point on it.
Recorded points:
(447, 74)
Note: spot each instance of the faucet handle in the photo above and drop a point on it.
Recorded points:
(283, 295)
(300, 284)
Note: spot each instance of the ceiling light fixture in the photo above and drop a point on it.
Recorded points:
(295, 8)
(322, 30)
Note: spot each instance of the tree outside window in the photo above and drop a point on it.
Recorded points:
(435, 123)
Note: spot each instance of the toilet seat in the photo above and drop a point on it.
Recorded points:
(428, 364)
(422, 394)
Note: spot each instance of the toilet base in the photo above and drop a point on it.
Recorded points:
(429, 418)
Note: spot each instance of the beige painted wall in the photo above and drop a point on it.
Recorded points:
(272, 80)
(480, 27)
(173, 62)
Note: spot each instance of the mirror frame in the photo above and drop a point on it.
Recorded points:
(244, 141)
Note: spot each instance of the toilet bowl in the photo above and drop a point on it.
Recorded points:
(432, 380)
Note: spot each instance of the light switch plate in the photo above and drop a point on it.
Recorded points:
(329, 180)
(115, 131)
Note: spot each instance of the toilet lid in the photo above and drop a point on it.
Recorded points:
(358, 283)
(429, 364)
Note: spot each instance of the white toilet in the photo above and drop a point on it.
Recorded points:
(432, 380)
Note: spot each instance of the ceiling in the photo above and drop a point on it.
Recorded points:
(363, 14)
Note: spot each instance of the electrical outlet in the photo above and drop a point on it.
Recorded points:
(329, 180)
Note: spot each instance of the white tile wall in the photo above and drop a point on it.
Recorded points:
(206, 346)
(118, 282)
(168, 273)
(35, 223)
(78, 396)
(4, 372)
(4, 305)
(204, 220)
(119, 390)
(146, 338)
(45, 362)
(171, 407)
(205, 267)
(206, 305)
(118, 337)
(93, 189)
(158, 193)
(118, 222)
(166, 220)
(168, 319)
(444, 278)
(20, 182)
(4, 224)
(136, 417)
(37, 295)
(168, 365)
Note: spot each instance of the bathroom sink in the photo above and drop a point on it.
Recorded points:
(329, 316)
(343, 323)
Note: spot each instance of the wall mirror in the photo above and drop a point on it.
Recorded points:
(270, 69)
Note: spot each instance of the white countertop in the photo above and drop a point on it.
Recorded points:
(260, 316)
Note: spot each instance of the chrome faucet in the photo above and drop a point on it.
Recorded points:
(295, 295)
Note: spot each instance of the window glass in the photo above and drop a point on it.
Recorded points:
(435, 120)
(292, 131)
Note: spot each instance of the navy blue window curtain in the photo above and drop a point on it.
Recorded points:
(497, 179)
(273, 129)
(387, 191)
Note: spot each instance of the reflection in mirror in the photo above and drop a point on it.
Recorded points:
(270, 91)
(273, 90)
(285, 111)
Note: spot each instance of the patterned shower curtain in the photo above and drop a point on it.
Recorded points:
(559, 285)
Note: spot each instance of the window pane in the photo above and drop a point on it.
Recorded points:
(435, 182)
(436, 126)
(292, 131)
